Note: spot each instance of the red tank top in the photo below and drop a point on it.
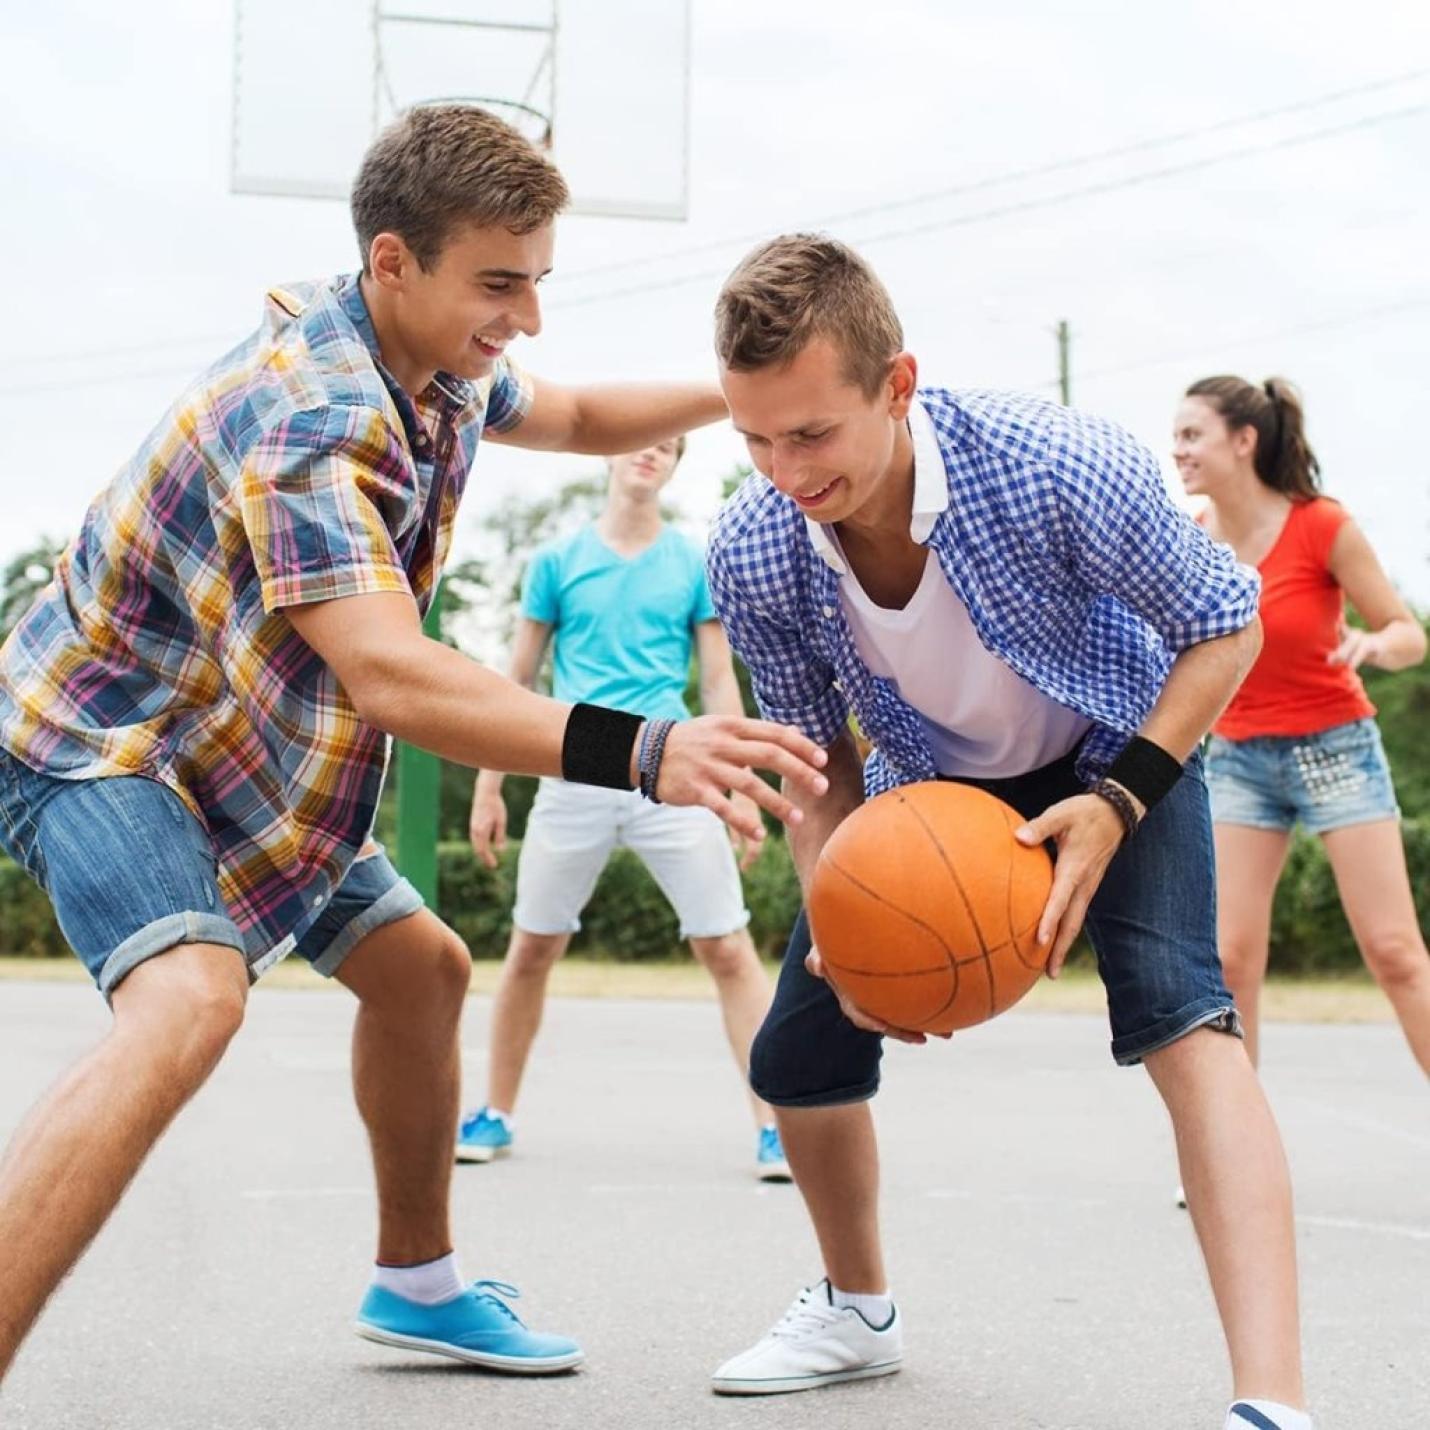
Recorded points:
(1292, 690)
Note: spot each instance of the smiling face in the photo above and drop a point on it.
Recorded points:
(459, 314)
(815, 434)
(1209, 454)
(642, 475)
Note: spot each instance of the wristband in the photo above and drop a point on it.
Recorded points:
(652, 753)
(1117, 797)
(596, 749)
(1145, 770)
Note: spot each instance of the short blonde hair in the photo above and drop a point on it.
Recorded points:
(440, 166)
(798, 287)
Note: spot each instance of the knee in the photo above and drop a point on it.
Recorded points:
(1396, 957)
(729, 956)
(1242, 965)
(535, 954)
(447, 968)
(190, 1008)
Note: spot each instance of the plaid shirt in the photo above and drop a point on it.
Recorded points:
(1077, 570)
(294, 470)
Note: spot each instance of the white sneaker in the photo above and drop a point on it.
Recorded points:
(1180, 1197)
(815, 1343)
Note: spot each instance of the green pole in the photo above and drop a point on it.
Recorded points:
(418, 790)
(1065, 362)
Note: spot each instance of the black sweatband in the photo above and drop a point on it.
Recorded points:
(1145, 770)
(596, 749)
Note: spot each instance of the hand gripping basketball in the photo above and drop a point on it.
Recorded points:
(925, 908)
(709, 759)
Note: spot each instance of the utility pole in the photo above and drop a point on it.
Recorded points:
(1065, 362)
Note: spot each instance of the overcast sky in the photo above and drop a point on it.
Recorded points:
(1294, 243)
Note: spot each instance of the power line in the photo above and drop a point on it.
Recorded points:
(1344, 320)
(1039, 202)
(1034, 171)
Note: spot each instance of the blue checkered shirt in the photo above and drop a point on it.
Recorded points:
(1077, 569)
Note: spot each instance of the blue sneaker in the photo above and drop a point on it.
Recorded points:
(483, 1136)
(770, 1164)
(477, 1326)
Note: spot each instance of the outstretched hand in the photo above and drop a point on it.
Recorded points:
(1087, 832)
(712, 760)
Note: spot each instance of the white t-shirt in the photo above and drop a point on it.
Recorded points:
(981, 717)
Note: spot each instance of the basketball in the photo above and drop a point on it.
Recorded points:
(925, 909)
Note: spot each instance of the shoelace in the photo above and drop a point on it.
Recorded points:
(494, 1291)
(805, 1318)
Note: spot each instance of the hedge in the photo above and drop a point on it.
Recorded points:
(628, 919)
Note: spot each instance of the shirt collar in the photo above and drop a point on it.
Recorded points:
(930, 491)
(450, 393)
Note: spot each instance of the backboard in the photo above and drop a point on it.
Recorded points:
(605, 82)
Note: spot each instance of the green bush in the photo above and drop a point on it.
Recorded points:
(629, 920)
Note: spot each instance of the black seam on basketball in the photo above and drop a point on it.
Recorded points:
(968, 909)
(951, 963)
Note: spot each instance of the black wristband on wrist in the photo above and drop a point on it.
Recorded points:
(596, 749)
(1145, 770)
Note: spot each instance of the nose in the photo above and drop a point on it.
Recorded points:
(785, 470)
(527, 317)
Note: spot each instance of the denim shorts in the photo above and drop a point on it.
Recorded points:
(131, 874)
(1152, 924)
(1323, 781)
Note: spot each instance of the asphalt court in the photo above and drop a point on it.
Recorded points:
(1046, 1280)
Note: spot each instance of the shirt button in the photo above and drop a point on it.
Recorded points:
(828, 612)
(318, 902)
(838, 685)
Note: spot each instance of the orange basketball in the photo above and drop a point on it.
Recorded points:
(925, 908)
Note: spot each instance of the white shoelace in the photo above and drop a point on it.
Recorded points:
(807, 1317)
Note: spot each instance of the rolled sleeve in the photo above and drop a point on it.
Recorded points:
(509, 397)
(322, 500)
(1127, 538)
(792, 684)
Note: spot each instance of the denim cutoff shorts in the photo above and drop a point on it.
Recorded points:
(131, 874)
(1152, 924)
(1323, 781)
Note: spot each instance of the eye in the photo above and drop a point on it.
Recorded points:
(808, 439)
(497, 287)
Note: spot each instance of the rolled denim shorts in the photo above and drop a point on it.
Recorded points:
(131, 873)
(1324, 781)
(1152, 924)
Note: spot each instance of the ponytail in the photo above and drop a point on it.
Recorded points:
(1283, 458)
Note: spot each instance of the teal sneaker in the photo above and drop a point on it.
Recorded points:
(477, 1327)
(770, 1164)
(483, 1136)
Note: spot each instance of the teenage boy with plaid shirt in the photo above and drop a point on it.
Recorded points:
(194, 717)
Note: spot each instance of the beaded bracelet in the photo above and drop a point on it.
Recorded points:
(651, 755)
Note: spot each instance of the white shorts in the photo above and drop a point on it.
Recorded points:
(572, 831)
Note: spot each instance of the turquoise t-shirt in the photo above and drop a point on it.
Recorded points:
(624, 628)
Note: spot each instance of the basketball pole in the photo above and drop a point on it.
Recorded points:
(419, 782)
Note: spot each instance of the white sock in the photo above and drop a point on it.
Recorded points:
(429, 1284)
(503, 1117)
(1274, 1415)
(876, 1309)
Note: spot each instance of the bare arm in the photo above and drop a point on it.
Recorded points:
(1087, 829)
(611, 419)
(436, 698)
(527, 647)
(824, 816)
(1395, 640)
(720, 695)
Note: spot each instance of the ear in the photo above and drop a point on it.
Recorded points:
(1243, 442)
(390, 261)
(902, 387)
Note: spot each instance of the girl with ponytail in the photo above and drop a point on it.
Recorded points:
(1299, 740)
